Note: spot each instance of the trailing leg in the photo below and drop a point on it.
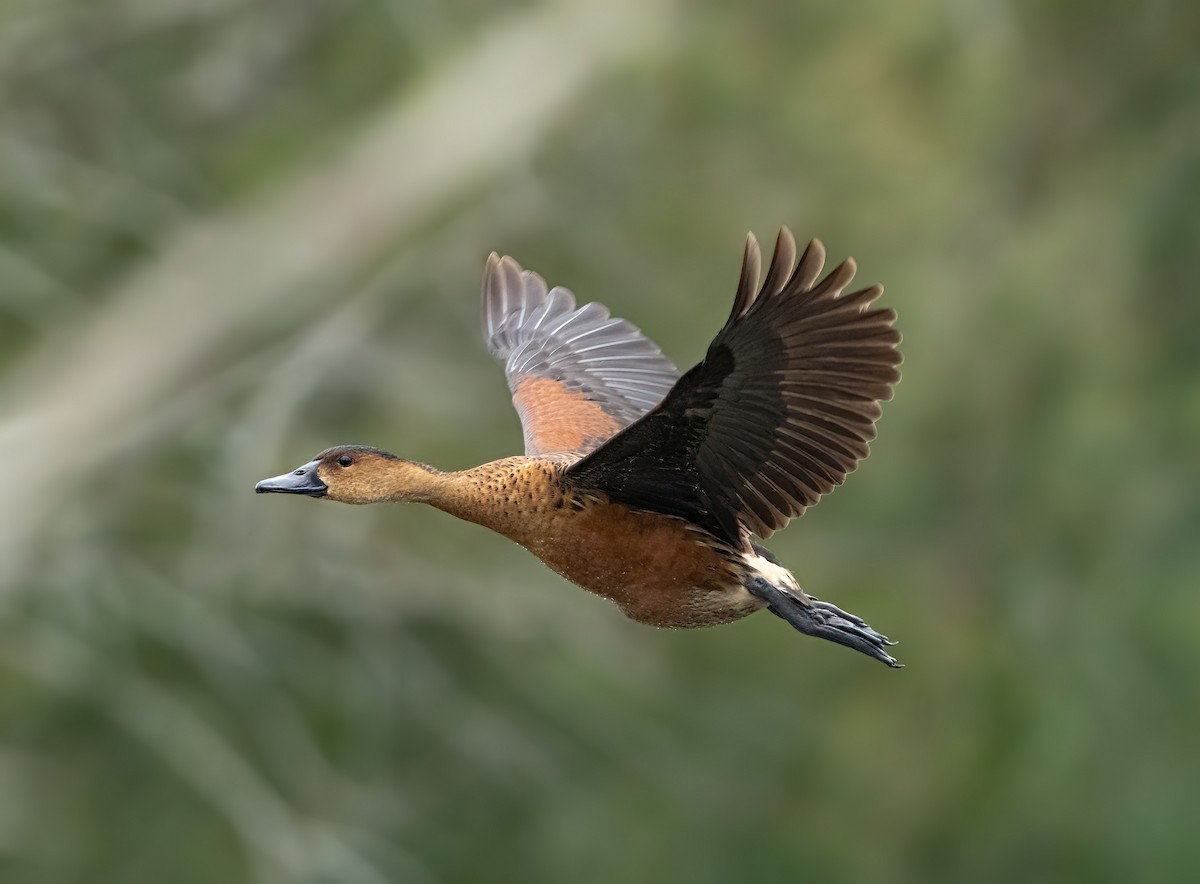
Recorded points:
(815, 617)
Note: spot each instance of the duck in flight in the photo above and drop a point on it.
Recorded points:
(646, 487)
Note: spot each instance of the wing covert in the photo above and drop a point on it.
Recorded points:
(577, 375)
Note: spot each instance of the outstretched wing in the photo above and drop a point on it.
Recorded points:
(777, 414)
(577, 375)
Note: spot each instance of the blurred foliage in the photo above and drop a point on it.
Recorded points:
(200, 685)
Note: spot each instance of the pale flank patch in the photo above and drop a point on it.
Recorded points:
(777, 575)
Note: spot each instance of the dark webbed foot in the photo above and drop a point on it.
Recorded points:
(824, 620)
(857, 621)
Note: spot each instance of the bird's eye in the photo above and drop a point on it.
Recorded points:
(345, 460)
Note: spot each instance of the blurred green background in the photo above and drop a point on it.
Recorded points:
(233, 233)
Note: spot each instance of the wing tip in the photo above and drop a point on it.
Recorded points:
(489, 275)
(747, 289)
(782, 261)
(509, 290)
(809, 267)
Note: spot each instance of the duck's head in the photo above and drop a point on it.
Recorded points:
(347, 473)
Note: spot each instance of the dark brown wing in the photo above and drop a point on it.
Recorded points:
(577, 375)
(777, 414)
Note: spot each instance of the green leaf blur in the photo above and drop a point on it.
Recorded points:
(235, 232)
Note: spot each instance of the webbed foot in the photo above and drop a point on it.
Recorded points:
(815, 617)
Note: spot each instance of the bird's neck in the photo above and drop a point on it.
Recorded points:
(503, 495)
(405, 481)
(494, 495)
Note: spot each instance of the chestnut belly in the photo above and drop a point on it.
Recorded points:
(657, 569)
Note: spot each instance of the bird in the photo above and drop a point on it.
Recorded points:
(648, 487)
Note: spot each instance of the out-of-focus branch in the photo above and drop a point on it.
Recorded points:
(71, 399)
(280, 844)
